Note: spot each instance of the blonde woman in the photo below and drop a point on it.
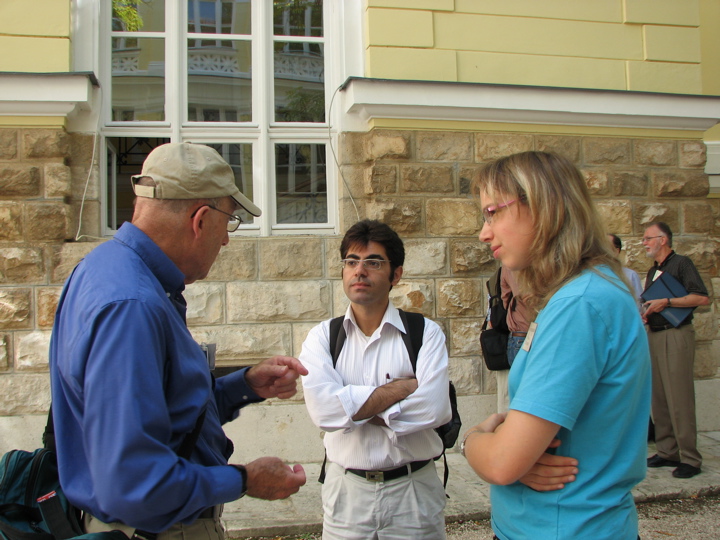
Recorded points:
(583, 374)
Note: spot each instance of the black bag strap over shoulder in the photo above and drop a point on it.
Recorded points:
(415, 325)
(497, 309)
(337, 337)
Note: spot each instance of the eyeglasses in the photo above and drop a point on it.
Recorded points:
(648, 238)
(232, 224)
(368, 264)
(489, 213)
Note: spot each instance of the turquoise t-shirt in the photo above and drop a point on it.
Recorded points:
(587, 370)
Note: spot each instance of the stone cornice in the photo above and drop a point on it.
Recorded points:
(364, 100)
(45, 94)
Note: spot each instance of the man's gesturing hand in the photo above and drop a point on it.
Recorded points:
(270, 478)
(275, 377)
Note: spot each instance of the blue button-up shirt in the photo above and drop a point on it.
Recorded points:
(129, 383)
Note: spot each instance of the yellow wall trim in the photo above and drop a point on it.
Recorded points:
(432, 125)
(32, 121)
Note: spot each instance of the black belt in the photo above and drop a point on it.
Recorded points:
(392, 474)
(208, 513)
(661, 327)
(518, 334)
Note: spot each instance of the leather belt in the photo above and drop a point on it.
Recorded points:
(518, 334)
(661, 328)
(392, 474)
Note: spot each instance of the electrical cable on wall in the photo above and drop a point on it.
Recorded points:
(78, 236)
(337, 164)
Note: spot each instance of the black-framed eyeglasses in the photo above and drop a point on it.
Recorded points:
(232, 224)
(368, 264)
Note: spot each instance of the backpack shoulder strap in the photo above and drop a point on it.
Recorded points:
(493, 284)
(190, 440)
(413, 339)
(337, 337)
(337, 340)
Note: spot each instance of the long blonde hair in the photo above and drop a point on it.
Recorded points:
(569, 234)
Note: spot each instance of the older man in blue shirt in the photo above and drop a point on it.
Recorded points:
(129, 383)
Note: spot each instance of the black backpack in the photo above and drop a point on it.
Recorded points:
(413, 339)
(33, 505)
(493, 341)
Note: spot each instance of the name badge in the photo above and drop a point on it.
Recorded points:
(529, 337)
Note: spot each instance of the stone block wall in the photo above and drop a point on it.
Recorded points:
(419, 182)
(263, 295)
(35, 220)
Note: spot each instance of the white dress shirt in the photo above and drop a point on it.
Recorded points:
(334, 395)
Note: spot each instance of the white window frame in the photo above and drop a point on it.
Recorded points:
(263, 132)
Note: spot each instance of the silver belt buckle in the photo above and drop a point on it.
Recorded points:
(374, 476)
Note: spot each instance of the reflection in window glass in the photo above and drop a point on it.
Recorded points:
(219, 83)
(218, 17)
(299, 82)
(138, 80)
(301, 183)
(125, 156)
(298, 18)
(138, 16)
(239, 157)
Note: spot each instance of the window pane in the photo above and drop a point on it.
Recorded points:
(138, 80)
(138, 16)
(219, 17)
(299, 82)
(298, 18)
(125, 156)
(219, 83)
(239, 156)
(301, 185)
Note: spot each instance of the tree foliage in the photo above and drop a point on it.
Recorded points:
(127, 11)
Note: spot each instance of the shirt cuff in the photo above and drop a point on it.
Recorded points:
(352, 398)
(236, 385)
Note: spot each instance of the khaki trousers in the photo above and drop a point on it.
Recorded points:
(673, 394)
(407, 508)
(201, 529)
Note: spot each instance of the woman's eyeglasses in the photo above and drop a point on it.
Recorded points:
(489, 213)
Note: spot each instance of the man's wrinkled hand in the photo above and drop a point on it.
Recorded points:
(275, 377)
(551, 472)
(270, 478)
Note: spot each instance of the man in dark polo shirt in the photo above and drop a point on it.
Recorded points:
(673, 354)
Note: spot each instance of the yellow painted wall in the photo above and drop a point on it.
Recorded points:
(35, 55)
(35, 36)
(670, 46)
(710, 45)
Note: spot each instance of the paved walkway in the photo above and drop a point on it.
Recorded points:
(469, 496)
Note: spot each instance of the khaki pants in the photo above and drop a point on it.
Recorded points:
(201, 529)
(410, 507)
(673, 394)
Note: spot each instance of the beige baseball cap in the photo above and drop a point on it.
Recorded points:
(189, 171)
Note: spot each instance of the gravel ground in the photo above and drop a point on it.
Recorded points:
(686, 519)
